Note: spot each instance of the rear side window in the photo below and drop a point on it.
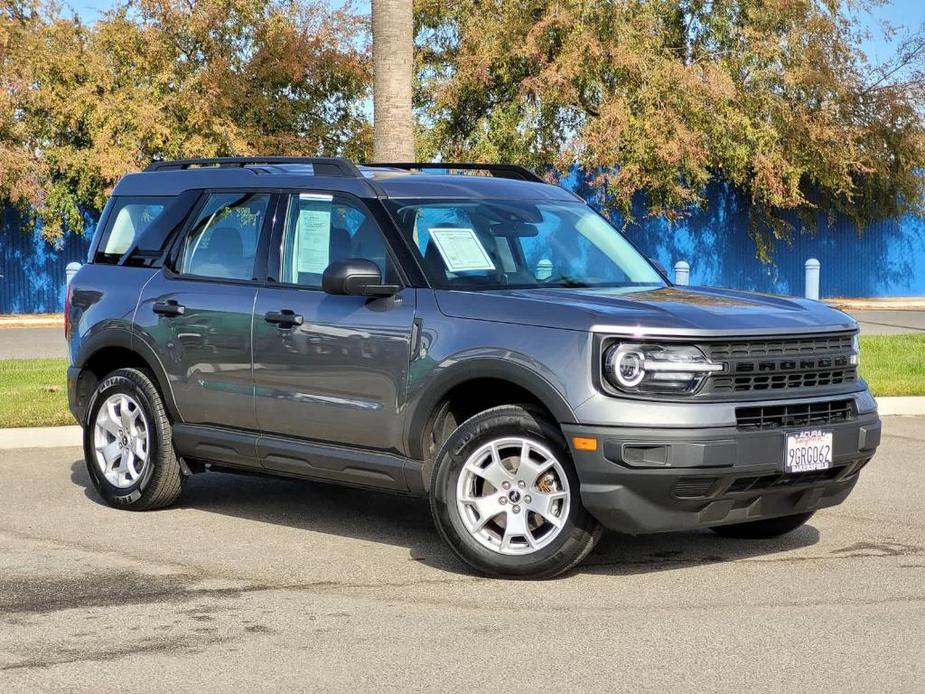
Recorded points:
(128, 218)
(223, 241)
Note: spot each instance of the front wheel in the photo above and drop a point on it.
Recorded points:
(127, 443)
(763, 529)
(504, 496)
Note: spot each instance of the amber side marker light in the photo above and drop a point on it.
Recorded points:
(583, 443)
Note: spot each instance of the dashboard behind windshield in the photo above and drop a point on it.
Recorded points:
(501, 244)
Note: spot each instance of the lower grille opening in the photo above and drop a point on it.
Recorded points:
(778, 480)
(794, 415)
(694, 487)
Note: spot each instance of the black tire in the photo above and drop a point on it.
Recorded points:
(161, 479)
(763, 529)
(579, 532)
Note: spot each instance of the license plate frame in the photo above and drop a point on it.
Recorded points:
(807, 450)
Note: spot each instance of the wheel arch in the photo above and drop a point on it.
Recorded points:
(477, 386)
(114, 349)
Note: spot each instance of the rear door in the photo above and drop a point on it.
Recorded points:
(197, 313)
(330, 368)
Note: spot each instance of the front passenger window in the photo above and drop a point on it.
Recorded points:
(322, 229)
(223, 241)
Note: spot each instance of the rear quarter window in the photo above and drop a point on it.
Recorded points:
(128, 217)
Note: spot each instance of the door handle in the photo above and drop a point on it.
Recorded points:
(169, 308)
(283, 317)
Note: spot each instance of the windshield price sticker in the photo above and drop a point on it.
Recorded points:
(461, 250)
(808, 450)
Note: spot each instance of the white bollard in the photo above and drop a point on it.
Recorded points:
(682, 273)
(70, 270)
(812, 278)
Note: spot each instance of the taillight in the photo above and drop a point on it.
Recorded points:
(67, 312)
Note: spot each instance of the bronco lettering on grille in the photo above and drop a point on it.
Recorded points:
(765, 366)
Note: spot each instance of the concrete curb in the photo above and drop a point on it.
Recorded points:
(46, 320)
(909, 405)
(60, 437)
(41, 437)
(894, 303)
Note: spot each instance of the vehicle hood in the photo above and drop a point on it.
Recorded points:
(666, 310)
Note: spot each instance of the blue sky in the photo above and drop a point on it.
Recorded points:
(904, 14)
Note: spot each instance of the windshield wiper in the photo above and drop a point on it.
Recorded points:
(566, 281)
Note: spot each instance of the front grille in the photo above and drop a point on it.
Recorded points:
(777, 480)
(747, 349)
(794, 415)
(785, 364)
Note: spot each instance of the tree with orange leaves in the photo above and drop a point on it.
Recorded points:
(661, 97)
(80, 106)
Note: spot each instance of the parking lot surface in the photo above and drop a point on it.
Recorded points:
(269, 585)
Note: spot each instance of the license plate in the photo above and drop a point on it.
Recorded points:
(808, 450)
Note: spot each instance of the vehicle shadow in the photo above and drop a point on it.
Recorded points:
(406, 522)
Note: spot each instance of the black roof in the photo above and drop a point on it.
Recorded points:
(398, 180)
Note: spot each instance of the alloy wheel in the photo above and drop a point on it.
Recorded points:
(513, 496)
(120, 440)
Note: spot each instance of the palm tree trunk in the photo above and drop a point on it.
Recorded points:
(393, 124)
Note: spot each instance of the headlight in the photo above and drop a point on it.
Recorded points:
(645, 368)
(856, 345)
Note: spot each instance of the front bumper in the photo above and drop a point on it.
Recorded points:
(648, 480)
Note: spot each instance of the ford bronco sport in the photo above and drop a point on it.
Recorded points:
(488, 341)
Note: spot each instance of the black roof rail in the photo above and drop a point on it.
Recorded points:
(322, 166)
(514, 171)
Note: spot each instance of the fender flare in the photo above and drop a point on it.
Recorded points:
(423, 406)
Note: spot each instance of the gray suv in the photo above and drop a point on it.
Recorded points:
(486, 340)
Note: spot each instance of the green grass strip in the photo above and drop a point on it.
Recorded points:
(894, 364)
(33, 392)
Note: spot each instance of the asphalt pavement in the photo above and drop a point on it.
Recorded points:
(889, 322)
(253, 584)
(32, 343)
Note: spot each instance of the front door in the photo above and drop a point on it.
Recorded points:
(330, 368)
(197, 314)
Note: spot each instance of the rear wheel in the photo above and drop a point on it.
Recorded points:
(763, 529)
(504, 496)
(127, 443)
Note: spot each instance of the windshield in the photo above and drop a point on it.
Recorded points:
(495, 244)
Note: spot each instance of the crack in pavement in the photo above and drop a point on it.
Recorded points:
(859, 550)
(146, 646)
(910, 328)
(25, 595)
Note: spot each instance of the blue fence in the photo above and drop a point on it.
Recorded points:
(32, 269)
(886, 259)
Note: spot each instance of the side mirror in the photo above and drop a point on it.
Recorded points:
(659, 266)
(355, 277)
